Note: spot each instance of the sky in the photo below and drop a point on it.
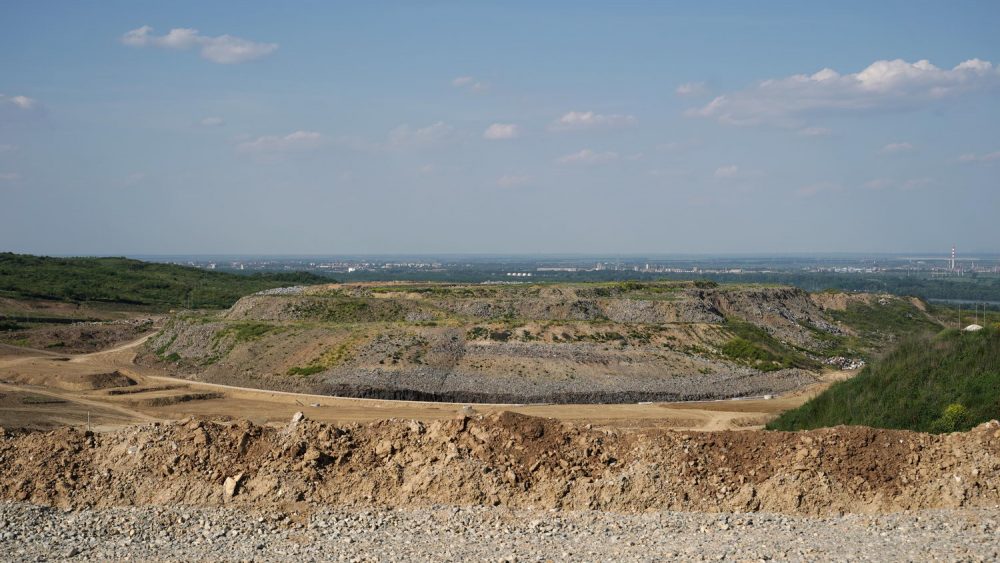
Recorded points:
(140, 127)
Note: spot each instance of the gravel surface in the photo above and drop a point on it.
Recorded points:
(33, 533)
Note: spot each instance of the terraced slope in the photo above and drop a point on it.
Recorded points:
(528, 343)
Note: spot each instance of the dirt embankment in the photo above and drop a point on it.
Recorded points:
(504, 459)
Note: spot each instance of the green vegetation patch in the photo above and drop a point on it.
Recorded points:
(133, 282)
(942, 383)
(886, 321)
(335, 356)
(306, 370)
(247, 331)
(756, 347)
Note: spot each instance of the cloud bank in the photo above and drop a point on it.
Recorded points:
(580, 120)
(223, 49)
(895, 85)
(499, 131)
(987, 157)
(273, 144)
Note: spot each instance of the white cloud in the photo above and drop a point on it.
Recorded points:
(512, 180)
(499, 131)
(469, 83)
(578, 120)
(19, 109)
(24, 102)
(883, 86)
(973, 157)
(728, 171)
(815, 132)
(223, 49)
(588, 156)
(894, 148)
(213, 122)
(405, 136)
(692, 89)
(9, 176)
(293, 142)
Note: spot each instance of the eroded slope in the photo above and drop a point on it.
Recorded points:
(525, 343)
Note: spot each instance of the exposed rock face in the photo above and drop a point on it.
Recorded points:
(505, 459)
(565, 343)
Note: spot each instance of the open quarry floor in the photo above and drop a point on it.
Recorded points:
(43, 390)
(174, 469)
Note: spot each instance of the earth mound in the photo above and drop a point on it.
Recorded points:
(503, 459)
(566, 343)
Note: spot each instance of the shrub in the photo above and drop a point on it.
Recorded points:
(955, 417)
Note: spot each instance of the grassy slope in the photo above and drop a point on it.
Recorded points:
(121, 280)
(913, 386)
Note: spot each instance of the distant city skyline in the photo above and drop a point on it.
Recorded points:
(398, 128)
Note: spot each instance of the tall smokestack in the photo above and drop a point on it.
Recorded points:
(953, 258)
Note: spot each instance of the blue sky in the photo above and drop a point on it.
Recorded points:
(406, 127)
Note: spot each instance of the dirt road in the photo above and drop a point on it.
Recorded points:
(155, 396)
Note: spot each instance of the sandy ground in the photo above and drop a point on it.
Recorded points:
(33, 394)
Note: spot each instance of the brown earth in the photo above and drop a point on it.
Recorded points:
(56, 376)
(619, 457)
(503, 459)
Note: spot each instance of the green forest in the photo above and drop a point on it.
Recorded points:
(133, 282)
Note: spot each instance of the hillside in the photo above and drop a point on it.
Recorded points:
(132, 282)
(596, 342)
(943, 383)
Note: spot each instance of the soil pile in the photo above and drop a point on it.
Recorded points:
(504, 459)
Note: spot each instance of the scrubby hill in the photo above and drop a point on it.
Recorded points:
(132, 282)
(938, 384)
(619, 342)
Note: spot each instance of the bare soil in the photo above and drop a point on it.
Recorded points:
(58, 376)
(503, 459)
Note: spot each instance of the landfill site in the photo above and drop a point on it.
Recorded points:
(102, 458)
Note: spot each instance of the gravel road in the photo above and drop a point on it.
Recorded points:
(33, 533)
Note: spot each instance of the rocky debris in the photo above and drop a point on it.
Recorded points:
(506, 460)
(230, 485)
(297, 418)
(628, 385)
(843, 363)
(304, 533)
(293, 290)
(567, 343)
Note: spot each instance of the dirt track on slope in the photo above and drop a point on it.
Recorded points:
(23, 371)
